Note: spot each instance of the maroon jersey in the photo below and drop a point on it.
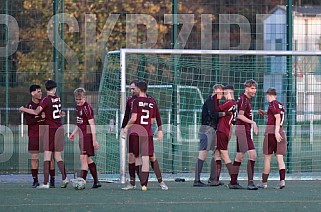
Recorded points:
(225, 122)
(157, 115)
(84, 114)
(146, 110)
(128, 110)
(275, 107)
(33, 121)
(244, 103)
(129, 103)
(52, 108)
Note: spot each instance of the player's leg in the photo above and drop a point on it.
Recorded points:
(268, 149)
(198, 168)
(281, 164)
(218, 162)
(61, 166)
(34, 169)
(145, 172)
(84, 166)
(155, 166)
(203, 152)
(46, 167)
(250, 169)
(93, 170)
(266, 170)
(145, 152)
(52, 173)
(131, 159)
(211, 145)
(133, 153)
(280, 152)
(33, 148)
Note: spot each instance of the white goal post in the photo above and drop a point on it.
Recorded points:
(124, 52)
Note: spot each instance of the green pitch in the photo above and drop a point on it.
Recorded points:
(297, 196)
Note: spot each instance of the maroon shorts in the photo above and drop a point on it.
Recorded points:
(34, 145)
(222, 141)
(140, 145)
(86, 145)
(270, 145)
(54, 139)
(244, 142)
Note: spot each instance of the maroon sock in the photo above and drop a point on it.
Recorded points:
(235, 173)
(131, 170)
(62, 170)
(34, 174)
(138, 170)
(282, 174)
(218, 169)
(83, 174)
(144, 178)
(157, 171)
(250, 171)
(52, 174)
(93, 170)
(265, 177)
(46, 165)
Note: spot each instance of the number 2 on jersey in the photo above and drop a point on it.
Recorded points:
(56, 112)
(144, 118)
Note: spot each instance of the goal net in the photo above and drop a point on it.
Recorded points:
(180, 81)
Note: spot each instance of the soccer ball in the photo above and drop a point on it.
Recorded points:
(79, 183)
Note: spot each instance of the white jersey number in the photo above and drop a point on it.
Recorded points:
(144, 118)
(56, 112)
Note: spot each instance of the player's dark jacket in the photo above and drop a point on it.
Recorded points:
(209, 114)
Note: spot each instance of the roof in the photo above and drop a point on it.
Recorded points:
(305, 11)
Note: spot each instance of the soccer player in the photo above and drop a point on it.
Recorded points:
(224, 128)
(244, 124)
(143, 114)
(131, 139)
(274, 139)
(87, 136)
(33, 123)
(51, 106)
(207, 134)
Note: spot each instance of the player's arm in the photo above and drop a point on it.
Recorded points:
(31, 119)
(93, 133)
(31, 111)
(262, 112)
(126, 116)
(217, 110)
(72, 135)
(159, 123)
(246, 120)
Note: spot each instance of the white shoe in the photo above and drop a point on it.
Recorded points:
(163, 186)
(281, 185)
(262, 185)
(64, 183)
(129, 187)
(43, 186)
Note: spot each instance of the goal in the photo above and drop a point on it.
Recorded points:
(180, 80)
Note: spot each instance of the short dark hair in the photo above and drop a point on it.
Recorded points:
(50, 84)
(250, 83)
(228, 87)
(271, 91)
(218, 86)
(142, 85)
(135, 81)
(34, 88)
